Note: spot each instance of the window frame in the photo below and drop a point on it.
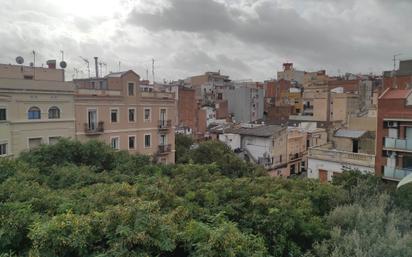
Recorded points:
(28, 141)
(144, 114)
(134, 116)
(150, 140)
(28, 113)
(117, 115)
(128, 88)
(134, 142)
(118, 142)
(6, 148)
(58, 112)
(5, 112)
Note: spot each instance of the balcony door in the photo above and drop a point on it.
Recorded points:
(92, 119)
(163, 117)
(163, 140)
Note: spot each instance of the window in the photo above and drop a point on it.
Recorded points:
(54, 113)
(34, 113)
(3, 149)
(146, 114)
(3, 114)
(53, 140)
(147, 141)
(219, 96)
(132, 113)
(132, 142)
(113, 115)
(163, 140)
(130, 89)
(28, 77)
(115, 143)
(35, 142)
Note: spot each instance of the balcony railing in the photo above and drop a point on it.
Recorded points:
(398, 144)
(165, 125)
(164, 149)
(333, 155)
(295, 156)
(397, 174)
(94, 128)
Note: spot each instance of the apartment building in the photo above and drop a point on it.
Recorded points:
(115, 110)
(36, 107)
(296, 150)
(289, 73)
(394, 134)
(245, 101)
(265, 145)
(348, 149)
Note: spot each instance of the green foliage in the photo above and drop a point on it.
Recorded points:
(375, 229)
(183, 144)
(229, 164)
(74, 199)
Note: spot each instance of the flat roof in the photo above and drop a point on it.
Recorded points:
(355, 134)
(36, 85)
(260, 131)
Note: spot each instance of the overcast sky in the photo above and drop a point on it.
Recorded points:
(246, 39)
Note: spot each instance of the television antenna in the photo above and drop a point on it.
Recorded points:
(88, 65)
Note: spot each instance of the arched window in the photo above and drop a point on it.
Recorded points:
(54, 113)
(34, 113)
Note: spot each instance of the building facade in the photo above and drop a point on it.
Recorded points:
(394, 134)
(116, 111)
(34, 112)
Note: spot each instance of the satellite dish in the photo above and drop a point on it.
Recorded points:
(19, 60)
(31, 64)
(63, 64)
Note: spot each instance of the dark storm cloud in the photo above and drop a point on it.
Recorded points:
(323, 39)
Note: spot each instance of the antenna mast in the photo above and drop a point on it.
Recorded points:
(34, 64)
(153, 70)
(88, 65)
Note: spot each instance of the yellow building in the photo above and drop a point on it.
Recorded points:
(34, 112)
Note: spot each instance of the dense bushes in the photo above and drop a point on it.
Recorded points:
(54, 202)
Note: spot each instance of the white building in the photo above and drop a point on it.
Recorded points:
(262, 144)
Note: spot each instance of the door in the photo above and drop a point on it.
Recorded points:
(92, 119)
(355, 146)
(163, 117)
(163, 140)
(323, 176)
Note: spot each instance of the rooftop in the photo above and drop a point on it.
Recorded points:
(260, 131)
(350, 133)
(396, 94)
(36, 85)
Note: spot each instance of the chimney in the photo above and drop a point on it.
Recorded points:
(51, 64)
(96, 66)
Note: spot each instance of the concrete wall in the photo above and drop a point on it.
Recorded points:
(245, 103)
(314, 165)
(38, 73)
(232, 140)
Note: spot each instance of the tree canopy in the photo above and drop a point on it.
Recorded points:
(73, 199)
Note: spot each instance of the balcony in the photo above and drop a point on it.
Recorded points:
(396, 174)
(342, 157)
(165, 125)
(157, 95)
(295, 156)
(164, 149)
(92, 129)
(398, 144)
